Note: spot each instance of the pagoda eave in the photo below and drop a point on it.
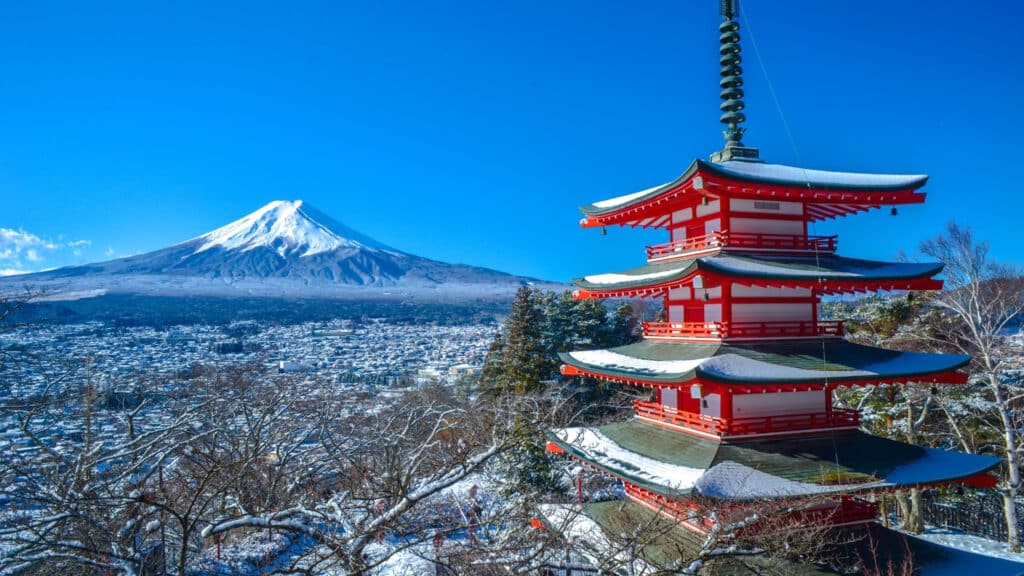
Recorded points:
(825, 287)
(736, 387)
(827, 195)
(743, 470)
(825, 274)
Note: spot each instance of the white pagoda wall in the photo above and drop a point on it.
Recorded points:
(768, 311)
(784, 312)
(778, 403)
(760, 226)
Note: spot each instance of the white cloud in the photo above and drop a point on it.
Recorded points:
(19, 249)
(20, 239)
(109, 252)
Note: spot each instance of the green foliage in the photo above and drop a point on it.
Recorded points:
(524, 354)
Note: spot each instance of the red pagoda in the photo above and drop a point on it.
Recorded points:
(742, 370)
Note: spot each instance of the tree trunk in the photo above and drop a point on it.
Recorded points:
(1013, 479)
(914, 522)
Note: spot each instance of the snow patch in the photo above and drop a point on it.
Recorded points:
(603, 450)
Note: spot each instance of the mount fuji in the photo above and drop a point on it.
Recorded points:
(284, 249)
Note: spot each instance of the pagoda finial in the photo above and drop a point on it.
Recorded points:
(732, 85)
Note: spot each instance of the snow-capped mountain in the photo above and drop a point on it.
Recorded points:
(286, 249)
(287, 227)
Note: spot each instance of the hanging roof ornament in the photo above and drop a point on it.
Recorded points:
(732, 87)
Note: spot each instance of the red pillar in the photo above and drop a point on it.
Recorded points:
(726, 395)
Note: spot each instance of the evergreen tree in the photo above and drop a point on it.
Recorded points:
(524, 360)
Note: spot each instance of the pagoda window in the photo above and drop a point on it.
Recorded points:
(766, 207)
(778, 404)
(712, 207)
(766, 226)
(680, 216)
(773, 312)
(742, 291)
(711, 405)
(676, 313)
(669, 399)
(681, 293)
(712, 226)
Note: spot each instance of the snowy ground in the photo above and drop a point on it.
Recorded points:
(969, 554)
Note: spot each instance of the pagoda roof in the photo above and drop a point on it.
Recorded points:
(674, 463)
(836, 272)
(595, 529)
(757, 172)
(752, 364)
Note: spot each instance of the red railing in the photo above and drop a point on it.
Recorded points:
(656, 411)
(712, 240)
(717, 330)
(785, 242)
(839, 418)
(846, 511)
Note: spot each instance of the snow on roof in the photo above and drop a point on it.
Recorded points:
(733, 367)
(936, 462)
(805, 267)
(627, 198)
(614, 360)
(829, 266)
(615, 278)
(734, 481)
(781, 174)
(589, 539)
(736, 367)
(605, 452)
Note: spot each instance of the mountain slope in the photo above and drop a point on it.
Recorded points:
(286, 249)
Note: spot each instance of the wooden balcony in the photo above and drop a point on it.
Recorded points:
(741, 330)
(732, 427)
(763, 242)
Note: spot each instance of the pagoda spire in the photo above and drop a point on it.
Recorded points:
(732, 85)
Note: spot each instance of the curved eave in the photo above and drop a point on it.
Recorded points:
(934, 468)
(945, 377)
(621, 473)
(959, 467)
(751, 367)
(765, 174)
(826, 274)
(827, 194)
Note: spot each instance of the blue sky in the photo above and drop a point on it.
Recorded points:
(471, 131)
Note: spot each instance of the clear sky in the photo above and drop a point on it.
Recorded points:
(470, 131)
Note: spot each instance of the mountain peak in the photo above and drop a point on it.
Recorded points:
(287, 227)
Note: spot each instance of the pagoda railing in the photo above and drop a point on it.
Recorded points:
(721, 330)
(845, 511)
(839, 418)
(785, 242)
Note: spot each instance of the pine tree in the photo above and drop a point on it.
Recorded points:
(524, 359)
